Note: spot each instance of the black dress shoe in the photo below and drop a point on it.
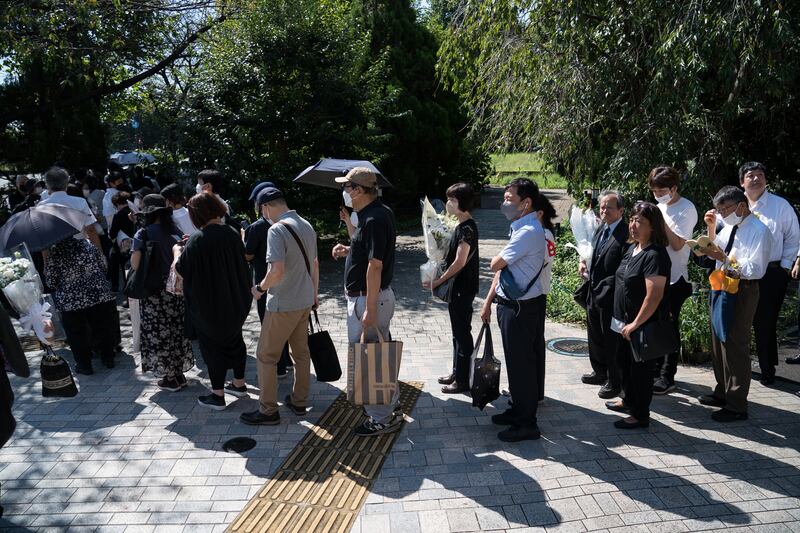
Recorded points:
(710, 399)
(108, 361)
(503, 419)
(622, 424)
(296, 409)
(767, 380)
(607, 391)
(86, 370)
(447, 380)
(594, 379)
(517, 434)
(257, 418)
(454, 388)
(793, 360)
(618, 407)
(726, 415)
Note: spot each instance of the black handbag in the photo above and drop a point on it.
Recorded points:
(653, 340)
(445, 291)
(146, 279)
(581, 294)
(57, 378)
(485, 377)
(323, 353)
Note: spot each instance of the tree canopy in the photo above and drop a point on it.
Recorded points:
(607, 89)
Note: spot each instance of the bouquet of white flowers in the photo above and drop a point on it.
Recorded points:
(583, 224)
(21, 285)
(437, 229)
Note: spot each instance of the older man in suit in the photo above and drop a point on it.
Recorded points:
(609, 245)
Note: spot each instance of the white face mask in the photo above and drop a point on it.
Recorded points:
(198, 188)
(451, 207)
(348, 200)
(86, 193)
(664, 199)
(732, 219)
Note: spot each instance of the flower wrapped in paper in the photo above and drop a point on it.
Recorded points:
(584, 224)
(724, 288)
(437, 229)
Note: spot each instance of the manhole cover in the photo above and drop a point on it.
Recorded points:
(571, 346)
(239, 445)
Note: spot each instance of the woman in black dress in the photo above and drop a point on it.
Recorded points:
(216, 282)
(165, 349)
(639, 298)
(462, 264)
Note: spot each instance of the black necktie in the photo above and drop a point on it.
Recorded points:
(729, 246)
(603, 237)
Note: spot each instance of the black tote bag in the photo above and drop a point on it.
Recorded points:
(145, 280)
(653, 340)
(323, 353)
(485, 371)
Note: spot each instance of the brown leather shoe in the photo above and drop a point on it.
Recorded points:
(448, 379)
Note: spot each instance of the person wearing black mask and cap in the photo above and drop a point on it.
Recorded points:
(255, 250)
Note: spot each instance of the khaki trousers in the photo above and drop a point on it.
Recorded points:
(276, 330)
(731, 359)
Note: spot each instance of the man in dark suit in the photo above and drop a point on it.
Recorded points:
(609, 245)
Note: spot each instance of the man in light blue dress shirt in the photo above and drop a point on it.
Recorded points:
(518, 315)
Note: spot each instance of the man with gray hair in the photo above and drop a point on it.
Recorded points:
(745, 241)
(57, 180)
(608, 246)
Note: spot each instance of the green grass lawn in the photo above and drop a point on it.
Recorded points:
(527, 164)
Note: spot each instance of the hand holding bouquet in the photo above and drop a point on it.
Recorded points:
(437, 229)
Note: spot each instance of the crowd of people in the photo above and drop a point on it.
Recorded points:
(203, 268)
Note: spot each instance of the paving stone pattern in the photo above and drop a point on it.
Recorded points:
(125, 456)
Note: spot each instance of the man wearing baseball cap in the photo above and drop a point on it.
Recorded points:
(290, 288)
(368, 276)
(255, 251)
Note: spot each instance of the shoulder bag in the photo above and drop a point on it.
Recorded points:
(145, 280)
(445, 291)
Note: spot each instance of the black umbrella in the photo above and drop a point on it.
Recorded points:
(327, 170)
(41, 226)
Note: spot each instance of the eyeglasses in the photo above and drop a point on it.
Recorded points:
(726, 209)
(348, 185)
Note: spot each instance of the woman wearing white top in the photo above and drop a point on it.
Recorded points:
(680, 218)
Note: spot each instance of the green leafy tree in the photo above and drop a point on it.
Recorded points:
(609, 89)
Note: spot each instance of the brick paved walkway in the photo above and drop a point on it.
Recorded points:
(125, 456)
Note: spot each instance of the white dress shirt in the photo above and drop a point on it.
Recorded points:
(681, 218)
(751, 247)
(73, 202)
(779, 216)
(525, 254)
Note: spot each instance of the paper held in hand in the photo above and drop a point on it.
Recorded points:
(702, 245)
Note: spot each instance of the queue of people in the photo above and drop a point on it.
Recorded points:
(638, 274)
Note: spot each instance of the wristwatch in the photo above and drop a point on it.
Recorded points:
(259, 289)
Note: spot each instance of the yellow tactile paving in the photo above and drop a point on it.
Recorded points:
(324, 481)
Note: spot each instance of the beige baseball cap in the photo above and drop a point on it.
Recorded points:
(360, 176)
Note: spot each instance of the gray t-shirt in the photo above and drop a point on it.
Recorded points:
(296, 290)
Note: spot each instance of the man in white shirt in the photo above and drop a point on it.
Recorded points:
(680, 218)
(115, 179)
(56, 180)
(173, 194)
(779, 216)
(746, 239)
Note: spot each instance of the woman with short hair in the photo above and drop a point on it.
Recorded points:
(639, 298)
(462, 267)
(216, 283)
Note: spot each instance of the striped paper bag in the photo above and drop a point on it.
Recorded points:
(372, 370)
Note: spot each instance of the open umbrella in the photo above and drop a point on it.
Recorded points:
(125, 158)
(327, 170)
(41, 226)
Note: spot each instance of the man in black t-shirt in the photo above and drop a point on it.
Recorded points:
(368, 276)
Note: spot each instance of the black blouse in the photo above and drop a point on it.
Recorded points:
(630, 290)
(466, 281)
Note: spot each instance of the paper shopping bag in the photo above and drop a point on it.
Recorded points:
(372, 370)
